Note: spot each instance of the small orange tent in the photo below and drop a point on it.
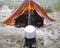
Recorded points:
(25, 5)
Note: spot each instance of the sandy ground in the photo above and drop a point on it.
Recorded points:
(12, 37)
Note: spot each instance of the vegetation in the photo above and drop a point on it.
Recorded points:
(51, 4)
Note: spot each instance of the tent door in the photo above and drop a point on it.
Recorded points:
(35, 19)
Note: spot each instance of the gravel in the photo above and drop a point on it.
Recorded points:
(12, 37)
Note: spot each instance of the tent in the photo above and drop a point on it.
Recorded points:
(28, 5)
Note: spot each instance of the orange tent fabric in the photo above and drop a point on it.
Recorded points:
(25, 5)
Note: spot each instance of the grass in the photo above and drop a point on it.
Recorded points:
(53, 4)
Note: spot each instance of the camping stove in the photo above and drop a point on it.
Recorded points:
(30, 37)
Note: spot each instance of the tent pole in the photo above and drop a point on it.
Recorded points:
(29, 13)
